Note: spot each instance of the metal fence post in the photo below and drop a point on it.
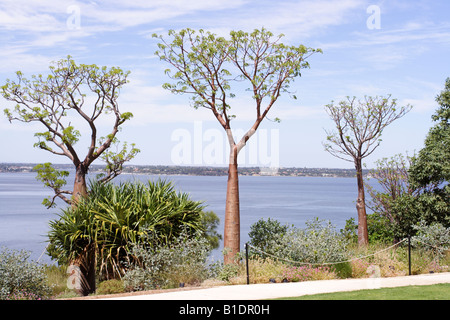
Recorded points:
(246, 262)
(409, 254)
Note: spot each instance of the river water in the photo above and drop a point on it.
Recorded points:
(291, 200)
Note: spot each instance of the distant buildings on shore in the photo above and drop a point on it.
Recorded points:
(199, 170)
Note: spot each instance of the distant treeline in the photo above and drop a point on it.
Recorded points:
(198, 171)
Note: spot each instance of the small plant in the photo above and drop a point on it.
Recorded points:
(22, 295)
(317, 243)
(359, 268)
(261, 270)
(263, 234)
(228, 271)
(57, 276)
(111, 286)
(434, 237)
(308, 273)
(21, 279)
(183, 260)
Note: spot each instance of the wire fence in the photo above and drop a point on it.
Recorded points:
(323, 263)
(289, 261)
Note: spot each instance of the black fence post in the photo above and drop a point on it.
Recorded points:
(409, 254)
(246, 262)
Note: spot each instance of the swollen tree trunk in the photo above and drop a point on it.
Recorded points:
(232, 232)
(87, 261)
(79, 186)
(85, 278)
(232, 212)
(88, 271)
(363, 237)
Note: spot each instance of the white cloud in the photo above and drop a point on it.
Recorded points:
(15, 59)
(30, 16)
(117, 15)
(41, 25)
(410, 33)
(293, 18)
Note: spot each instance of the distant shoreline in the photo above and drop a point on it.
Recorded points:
(199, 170)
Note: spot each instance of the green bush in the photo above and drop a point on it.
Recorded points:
(210, 222)
(317, 243)
(111, 286)
(228, 271)
(343, 270)
(21, 279)
(182, 260)
(263, 234)
(379, 229)
(434, 237)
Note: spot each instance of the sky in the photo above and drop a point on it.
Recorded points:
(398, 48)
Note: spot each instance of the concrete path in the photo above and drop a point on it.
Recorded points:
(292, 289)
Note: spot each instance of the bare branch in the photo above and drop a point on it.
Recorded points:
(360, 124)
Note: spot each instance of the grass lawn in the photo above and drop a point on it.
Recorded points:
(432, 292)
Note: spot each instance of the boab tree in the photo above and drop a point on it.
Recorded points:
(359, 125)
(206, 66)
(60, 99)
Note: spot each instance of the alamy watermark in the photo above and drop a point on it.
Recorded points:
(73, 22)
(374, 20)
(74, 279)
(201, 146)
(374, 280)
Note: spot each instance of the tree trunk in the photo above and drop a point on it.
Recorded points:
(87, 263)
(88, 271)
(79, 186)
(232, 219)
(85, 278)
(363, 237)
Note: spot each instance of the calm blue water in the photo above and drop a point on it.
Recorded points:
(291, 200)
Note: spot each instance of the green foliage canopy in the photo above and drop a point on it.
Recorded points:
(432, 164)
(69, 93)
(206, 66)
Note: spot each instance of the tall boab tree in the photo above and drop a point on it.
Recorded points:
(60, 99)
(206, 65)
(359, 125)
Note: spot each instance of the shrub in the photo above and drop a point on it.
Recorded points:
(21, 279)
(391, 262)
(308, 273)
(111, 286)
(228, 271)
(264, 233)
(379, 229)
(183, 260)
(359, 268)
(22, 295)
(210, 222)
(434, 237)
(317, 243)
(261, 270)
(342, 270)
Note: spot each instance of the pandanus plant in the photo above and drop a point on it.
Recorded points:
(101, 229)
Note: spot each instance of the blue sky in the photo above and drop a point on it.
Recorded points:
(404, 51)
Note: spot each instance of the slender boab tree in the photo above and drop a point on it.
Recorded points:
(206, 66)
(359, 125)
(68, 96)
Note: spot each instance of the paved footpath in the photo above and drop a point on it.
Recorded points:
(292, 289)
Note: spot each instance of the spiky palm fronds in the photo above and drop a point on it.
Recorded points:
(115, 216)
